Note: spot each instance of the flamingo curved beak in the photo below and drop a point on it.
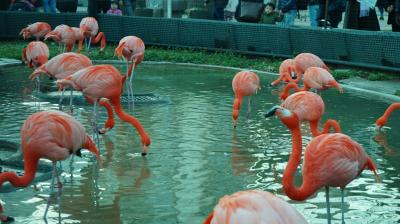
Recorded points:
(271, 112)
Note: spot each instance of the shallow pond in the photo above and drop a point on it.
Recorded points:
(196, 156)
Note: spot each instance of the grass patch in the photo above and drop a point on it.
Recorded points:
(13, 49)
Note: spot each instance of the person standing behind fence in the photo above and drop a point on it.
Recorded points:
(393, 9)
(289, 11)
(230, 10)
(49, 6)
(313, 12)
(270, 16)
(218, 8)
(22, 5)
(114, 10)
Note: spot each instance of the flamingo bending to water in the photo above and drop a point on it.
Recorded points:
(131, 48)
(36, 54)
(62, 34)
(52, 135)
(380, 122)
(245, 83)
(90, 27)
(286, 69)
(330, 160)
(38, 30)
(104, 81)
(315, 78)
(305, 60)
(253, 206)
(310, 107)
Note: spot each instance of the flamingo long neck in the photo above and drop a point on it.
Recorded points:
(130, 119)
(237, 103)
(291, 85)
(327, 126)
(89, 145)
(390, 109)
(30, 167)
(305, 190)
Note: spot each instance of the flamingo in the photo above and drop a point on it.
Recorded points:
(79, 35)
(90, 27)
(380, 122)
(245, 83)
(62, 34)
(36, 54)
(104, 81)
(253, 206)
(310, 107)
(38, 30)
(316, 78)
(52, 135)
(286, 69)
(131, 48)
(306, 60)
(66, 64)
(330, 160)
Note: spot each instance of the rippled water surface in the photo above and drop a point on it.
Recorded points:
(196, 156)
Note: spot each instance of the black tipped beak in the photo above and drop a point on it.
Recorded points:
(271, 112)
(144, 154)
(78, 153)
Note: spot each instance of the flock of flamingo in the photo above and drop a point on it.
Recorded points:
(330, 159)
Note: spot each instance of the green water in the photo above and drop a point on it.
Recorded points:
(196, 156)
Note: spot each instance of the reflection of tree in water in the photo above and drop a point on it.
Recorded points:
(96, 197)
(381, 139)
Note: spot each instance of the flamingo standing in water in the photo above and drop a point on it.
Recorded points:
(315, 78)
(104, 81)
(305, 60)
(380, 122)
(330, 160)
(286, 69)
(52, 135)
(245, 83)
(131, 48)
(38, 30)
(253, 206)
(310, 107)
(90, 27)
(62, 34)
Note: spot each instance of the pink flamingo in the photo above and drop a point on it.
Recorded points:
(79, 35)
(380, 122)
(36, 53)
(253, 206)
(38, 30)
(52, 135)
(315, 78)
(310, 107)
(90, 27)
(306, 60)
(104, 81)
(330, 160)
(67, 64)
(131, 48)
(62, 34)
(286, 69)
(245, 83)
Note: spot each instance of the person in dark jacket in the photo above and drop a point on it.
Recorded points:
(393, 9)
(218, 8)
(335, 11)
(360, 17)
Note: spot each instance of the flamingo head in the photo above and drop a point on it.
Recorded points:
(146, 142)
(85, 30)
(25, 32)
(380, 122)
(235, 116)
(40, 60)
(287, 117)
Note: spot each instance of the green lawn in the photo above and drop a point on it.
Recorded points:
(13, 49)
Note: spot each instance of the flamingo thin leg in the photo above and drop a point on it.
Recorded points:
(70, 102)
(53, 175)
(328, 207)
(61, 99)
(342, 207)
